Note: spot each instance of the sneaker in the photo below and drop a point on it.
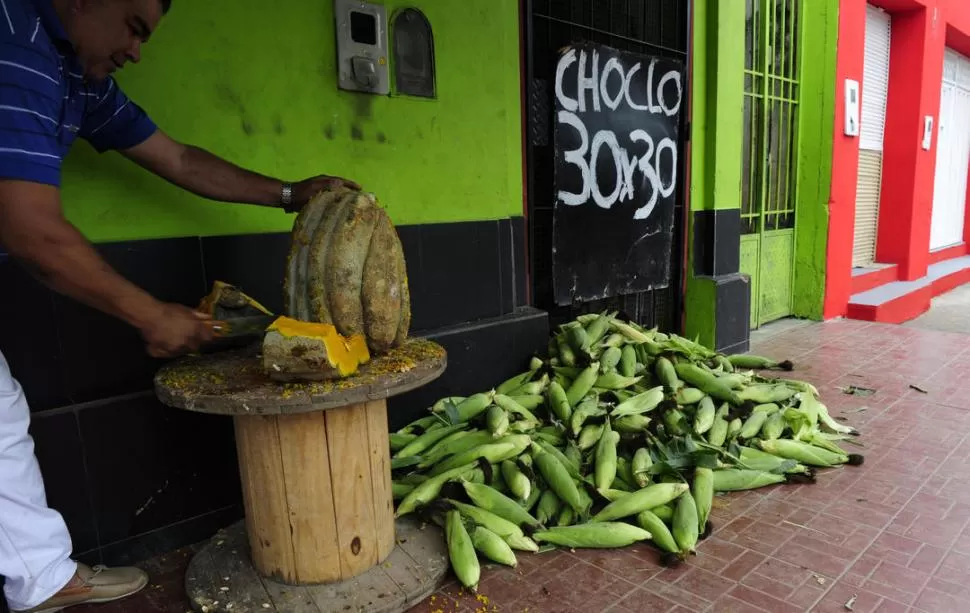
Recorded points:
(98, 584)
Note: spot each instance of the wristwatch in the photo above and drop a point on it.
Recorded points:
(286, 195)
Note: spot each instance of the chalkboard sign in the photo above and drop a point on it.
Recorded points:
(616, 118)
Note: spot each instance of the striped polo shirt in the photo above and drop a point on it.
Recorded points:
(45, 101)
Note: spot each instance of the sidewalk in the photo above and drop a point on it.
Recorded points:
(891, 535)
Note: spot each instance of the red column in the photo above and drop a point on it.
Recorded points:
(845, 162)
(906, 202)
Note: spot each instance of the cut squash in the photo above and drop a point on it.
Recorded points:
(300, 350)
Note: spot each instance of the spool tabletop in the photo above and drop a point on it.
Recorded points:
(234, 383)
(314, 462)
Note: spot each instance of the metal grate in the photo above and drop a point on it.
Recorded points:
(768, 189)
(657, 27)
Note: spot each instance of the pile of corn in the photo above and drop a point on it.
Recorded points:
(621, 435)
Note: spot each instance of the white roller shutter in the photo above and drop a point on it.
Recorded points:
(872, 124)
(952, 153)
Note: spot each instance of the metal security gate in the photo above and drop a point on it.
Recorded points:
(653, 27)
(768, 184)
(952, 154)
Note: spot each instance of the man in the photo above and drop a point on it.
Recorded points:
(56, 61)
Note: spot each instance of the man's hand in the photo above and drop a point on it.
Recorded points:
(308, 188)
(171, 330)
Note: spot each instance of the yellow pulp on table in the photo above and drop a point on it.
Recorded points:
(344, 354)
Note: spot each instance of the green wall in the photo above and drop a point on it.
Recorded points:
(256, 84)
(716, 133)
(816, 132)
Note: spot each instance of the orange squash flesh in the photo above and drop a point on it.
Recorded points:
(300, 349)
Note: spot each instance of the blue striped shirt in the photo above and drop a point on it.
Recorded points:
(45, 102)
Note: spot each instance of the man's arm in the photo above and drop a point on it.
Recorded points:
(34, 230)
(212, 177)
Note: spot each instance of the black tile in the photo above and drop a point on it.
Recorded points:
(459, 278)
(519, 262)
(480, 356)
(255, 263)
(150, 466)
(57, 445)
(28, 336)
(506, 264)
(169, 538)
(717, 242)
(105, 357)
(732, 312)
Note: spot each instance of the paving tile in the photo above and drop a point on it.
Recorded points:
(762, 600)
(642, 599)
(841, 593)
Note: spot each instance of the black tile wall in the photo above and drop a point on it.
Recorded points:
(717, 242)
(149, 465)
(61, 457)
(28, 336)
(133, 478)
(480, 356)
(255, 263)
(733, 313)
(106, 357)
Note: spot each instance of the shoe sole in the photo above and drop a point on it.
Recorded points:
(57, 609)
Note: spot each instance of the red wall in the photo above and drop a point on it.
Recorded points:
(920, 31)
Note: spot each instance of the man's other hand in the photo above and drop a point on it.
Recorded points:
(174, 330)
(308, 188)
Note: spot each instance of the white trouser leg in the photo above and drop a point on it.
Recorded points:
(35, 546)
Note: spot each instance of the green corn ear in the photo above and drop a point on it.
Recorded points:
(774, 426)
(586, 409)
(497, 421)
(461, 551)
(624, 472)
(630, 332)
(558, 478)
(667, 374)
(641, 500)
(615, 381)
(582, 384)
(515, 382)
(553, 438)
(724, 363)
(752, 425)
(664, 512)
(610, 359)
(558, 403)
(427, 440)
(429, 490)
(598, 328)
(703, 491)
(688, 395)
(658, 531)
(533, 498)
(567, 516)
(706, 381)
(515, 479)
(736, 479)
(473, 406)
(420, 425)
(492, 500)
(604, 535)
(440, 405)
(548, 507)
(614, 340)
(578, 339)
(717, 435)
(631, 424)
(641, 467)
(734, 427)
(567, 356)
(755, 362)
(455, 444)
(639, 404)
(400, 441)
(589, 436)
(605, 465)
(400, 490)
(493, 547)
(500, 526)
(570, 460)
(685, 524)
(676, 422)
(514, 408)
(529, 401)
(503, 449)
(805, 453)
(628, 361)
(613, 494)
(704, 418)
